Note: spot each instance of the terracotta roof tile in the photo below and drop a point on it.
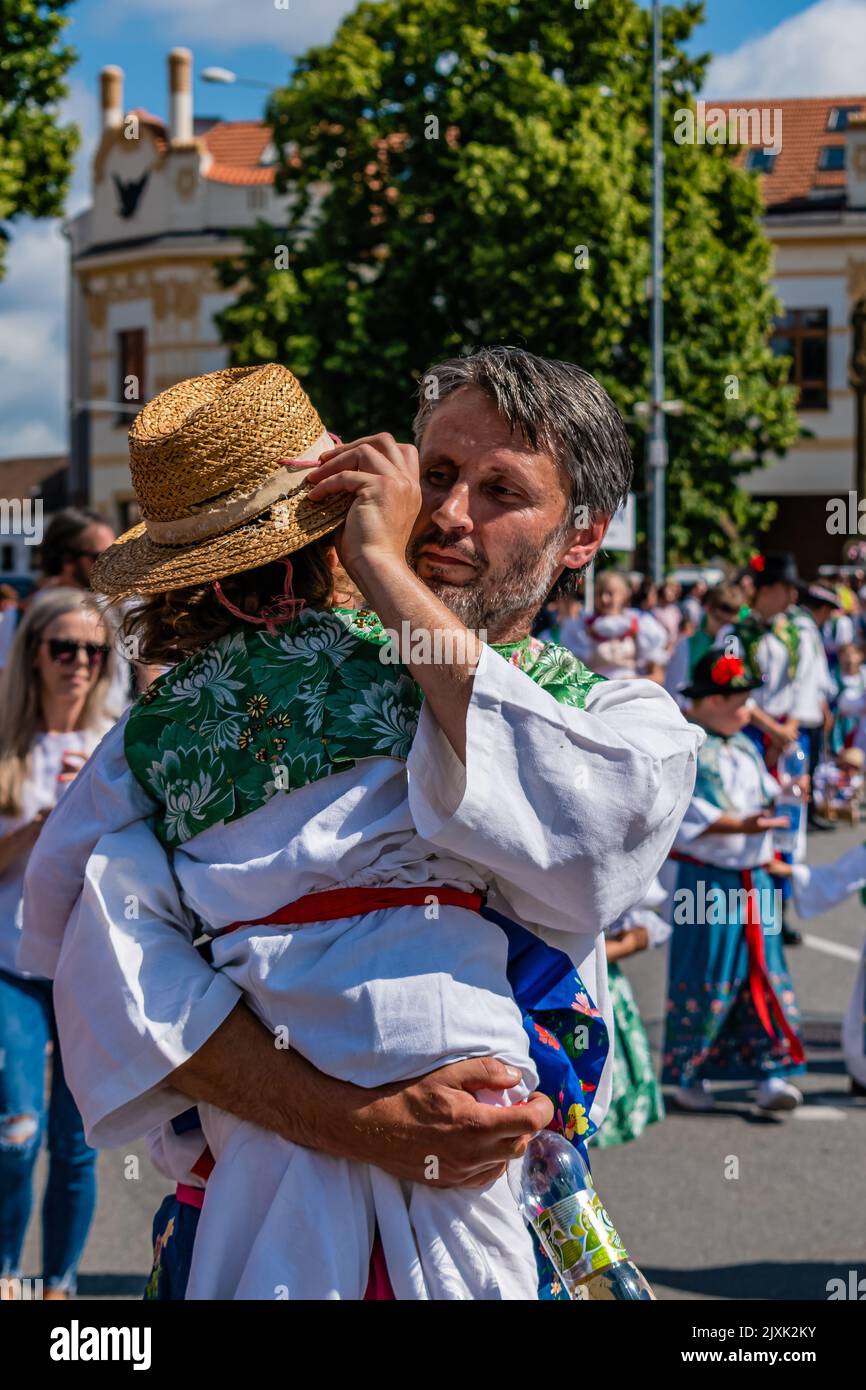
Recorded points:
(232, 173)
(236, 148)
(19, 477)
(804, 134)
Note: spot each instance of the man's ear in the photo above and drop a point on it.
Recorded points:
(586, 541)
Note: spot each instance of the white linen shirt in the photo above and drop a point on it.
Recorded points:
(564, 815)
(749, 787)
(814, 687)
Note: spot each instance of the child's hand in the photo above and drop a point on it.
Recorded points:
(779, 869)
(760, 822)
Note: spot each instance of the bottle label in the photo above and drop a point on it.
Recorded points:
(579, 1236)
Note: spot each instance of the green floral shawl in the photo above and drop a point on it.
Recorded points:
(255, 715)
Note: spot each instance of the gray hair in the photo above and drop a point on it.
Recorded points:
(557, 407)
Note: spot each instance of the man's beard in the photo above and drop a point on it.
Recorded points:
(490, 602)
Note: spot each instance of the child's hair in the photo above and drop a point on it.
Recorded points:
(21, 691)
(166, 628)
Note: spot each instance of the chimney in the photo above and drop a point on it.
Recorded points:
(180, 96)
(111, 97)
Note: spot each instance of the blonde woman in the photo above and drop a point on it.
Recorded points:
(52, 700)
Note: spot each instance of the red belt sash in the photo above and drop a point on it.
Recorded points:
(764, 996)
(334, 903)
(330, 906)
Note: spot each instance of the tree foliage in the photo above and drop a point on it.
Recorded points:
(35, 152)
(446, 164)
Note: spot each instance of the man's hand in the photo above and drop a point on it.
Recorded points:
(436, 1126)
(382, 477)
(399, 1128)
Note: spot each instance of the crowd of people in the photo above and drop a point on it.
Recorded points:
(769, 665)
(261, 740)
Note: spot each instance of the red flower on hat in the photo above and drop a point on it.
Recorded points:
(726, 669)
(758, 563)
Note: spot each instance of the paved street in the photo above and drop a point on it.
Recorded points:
(794, 1218)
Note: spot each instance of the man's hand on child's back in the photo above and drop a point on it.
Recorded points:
(433, 1129)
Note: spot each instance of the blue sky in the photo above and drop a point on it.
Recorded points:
(761, 48)
(256, 39)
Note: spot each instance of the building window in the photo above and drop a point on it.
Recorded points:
(838, 116)
(760, 161)
(256, 197)
(130, 373)
(802, 334)
(832, 159)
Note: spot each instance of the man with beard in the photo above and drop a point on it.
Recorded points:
(564, 791)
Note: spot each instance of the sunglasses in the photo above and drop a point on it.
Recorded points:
(86, 554)
(726, 610)
(65, 652)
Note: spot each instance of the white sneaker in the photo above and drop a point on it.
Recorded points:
(698, 1097)
(776, 1094)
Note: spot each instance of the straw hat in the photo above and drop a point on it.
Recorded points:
(214, 500)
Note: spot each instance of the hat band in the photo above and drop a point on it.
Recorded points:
(227, 516)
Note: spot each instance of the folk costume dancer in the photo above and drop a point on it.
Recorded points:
(617, 641)
(426, 805)
(769, 643)
(731, 1010)
(814, 687)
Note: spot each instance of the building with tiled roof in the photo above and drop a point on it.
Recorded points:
(168, 201)
(813, 184)
(169, 197)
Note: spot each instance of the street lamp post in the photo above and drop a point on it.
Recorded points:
(657, 447)
(227, 78)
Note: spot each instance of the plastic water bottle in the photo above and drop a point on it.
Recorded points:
(556, 1194)
(792, 765)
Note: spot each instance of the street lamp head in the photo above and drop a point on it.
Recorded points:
(224, 75)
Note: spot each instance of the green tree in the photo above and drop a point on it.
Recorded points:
(464, 175)
(35, 152)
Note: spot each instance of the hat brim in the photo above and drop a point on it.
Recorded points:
(135, 564)
(699, 692)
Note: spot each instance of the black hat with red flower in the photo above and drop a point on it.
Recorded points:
(778, 567)
(718, 674)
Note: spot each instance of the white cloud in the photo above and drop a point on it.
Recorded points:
(33, 345)
(33, 351)
(291, 28)
(818, 52)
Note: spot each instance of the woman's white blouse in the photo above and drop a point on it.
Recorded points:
(50, 756)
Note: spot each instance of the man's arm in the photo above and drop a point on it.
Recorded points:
(397, 1128)
(382, 477)
(146, 1025)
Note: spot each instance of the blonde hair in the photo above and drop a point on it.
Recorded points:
(20, 691)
